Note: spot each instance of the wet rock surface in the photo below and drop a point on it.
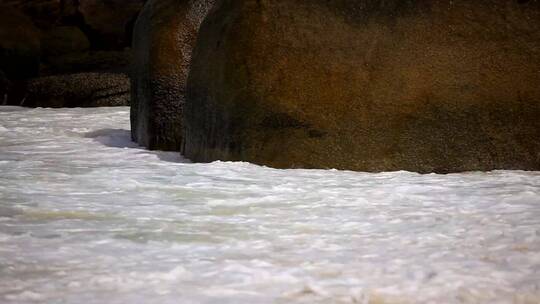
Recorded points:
(428, 86)
(164, 36)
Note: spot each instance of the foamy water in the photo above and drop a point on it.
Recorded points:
(86, 216)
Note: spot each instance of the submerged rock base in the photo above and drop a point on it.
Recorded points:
(164, 36)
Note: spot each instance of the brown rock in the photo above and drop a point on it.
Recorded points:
(164, 36)
(78, 90)
(69, 44)
(427, 86)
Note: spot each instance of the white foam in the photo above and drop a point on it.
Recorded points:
(86, 216)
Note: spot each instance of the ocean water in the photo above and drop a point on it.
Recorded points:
(86, 216)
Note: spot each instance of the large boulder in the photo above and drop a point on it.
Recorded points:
(78, 90)
(164, 36)
(371, 85)
(19, 45)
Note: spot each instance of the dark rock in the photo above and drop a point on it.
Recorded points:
(427, 86)
(19, 45)
(55, 41)
(78, 90)
(4, 88)
(66, 51)
(101, 61)
(164, 36)
(43, 13)
(64, 40)
(105, 22)
(109, 20)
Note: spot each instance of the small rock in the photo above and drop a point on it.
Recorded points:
(78, 90)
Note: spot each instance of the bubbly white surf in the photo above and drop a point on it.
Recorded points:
(86, 216)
